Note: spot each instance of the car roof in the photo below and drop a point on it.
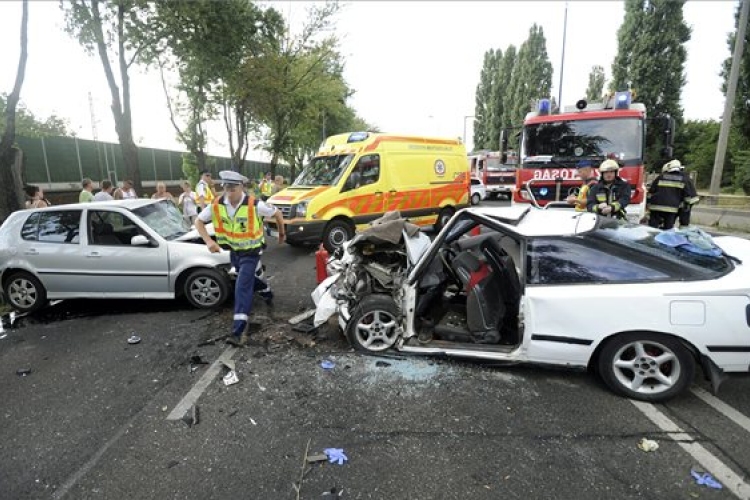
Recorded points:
(127, 204)
(531, 221)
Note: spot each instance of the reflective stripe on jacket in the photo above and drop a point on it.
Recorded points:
(244, 231)
(669, 191)
(616, 195)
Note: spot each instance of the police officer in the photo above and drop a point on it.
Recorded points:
(667, 193)
(238, 223)
(266, 187)
(586, 173)
(204, 195)
(611, 194)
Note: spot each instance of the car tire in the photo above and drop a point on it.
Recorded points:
(24, 292)
(336, 234)
(443, 217)
(206, 289)
(475, 199)
(374, 324)
(646, 366)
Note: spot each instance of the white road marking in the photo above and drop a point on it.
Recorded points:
(193, 394)
(726, 476)
(723, 408)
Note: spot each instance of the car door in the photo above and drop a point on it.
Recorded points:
(116, 267)
(51, 245)
(366, 185)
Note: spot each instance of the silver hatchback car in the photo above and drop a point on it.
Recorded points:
(120, 249)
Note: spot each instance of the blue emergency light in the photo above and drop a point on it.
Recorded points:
(544, 106)
(623, 99)
(357, 136)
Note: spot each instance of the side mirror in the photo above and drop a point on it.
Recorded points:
(139, 241)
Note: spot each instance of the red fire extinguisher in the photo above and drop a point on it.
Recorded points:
(321, 259)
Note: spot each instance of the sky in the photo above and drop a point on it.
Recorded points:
(414, 66)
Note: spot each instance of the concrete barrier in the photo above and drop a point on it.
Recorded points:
(722, 218)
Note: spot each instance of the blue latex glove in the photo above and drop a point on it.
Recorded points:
(335, 455)
(706, 479)
(327, 364)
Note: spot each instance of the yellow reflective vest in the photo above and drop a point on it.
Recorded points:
(209, 196)
(266, 188)
(242, 232)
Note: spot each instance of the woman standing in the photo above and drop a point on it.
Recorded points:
(35, 197)
(186, 201)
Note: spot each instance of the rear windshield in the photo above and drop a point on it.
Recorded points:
(642, 239)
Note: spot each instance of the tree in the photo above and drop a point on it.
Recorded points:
(10, 187)
(531, 78)
(28, 125)
(596, 84)
(483, 98)
(115, 29)
(651, 58)
(695, 146)
(741, 114)
(502, 89)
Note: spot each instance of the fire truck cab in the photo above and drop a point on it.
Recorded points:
(496, 170)
(553, 144)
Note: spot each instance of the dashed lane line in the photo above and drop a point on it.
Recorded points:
(201, 385)
(731, 481)
(723, 408)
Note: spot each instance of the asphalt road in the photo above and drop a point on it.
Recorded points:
(91, 418)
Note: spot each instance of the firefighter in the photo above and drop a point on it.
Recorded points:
(611, 194)
(667, 193)
(586, 173)
(683, 213)
(238, 223)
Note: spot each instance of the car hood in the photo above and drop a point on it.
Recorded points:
(192, 236)
(296, 194)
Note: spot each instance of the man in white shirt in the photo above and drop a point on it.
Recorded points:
(126, 192)
(105, 194)
(238, 225)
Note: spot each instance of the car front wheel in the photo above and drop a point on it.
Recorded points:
(646, 366)
(475, 199)
(25, 292)
(206, 289)
(374, 325)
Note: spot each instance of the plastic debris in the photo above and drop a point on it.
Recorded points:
(335, 455)
(302, 317)
(3, 336)
(191, 416)
(12, 316)
(23, 372)
(382, 364)
(648, 445)
(252, 421)
(327, 364)
(317, 457)
(231, 378)
(705, 479)
(333, 492)
(134, 339)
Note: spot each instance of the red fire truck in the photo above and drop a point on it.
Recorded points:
(496, 171)
(552, 145)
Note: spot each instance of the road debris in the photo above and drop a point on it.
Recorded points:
(336, 455)
(703, 478)
(212, 340)
(252, 421)
(23, 372)
(333, 492)
(172, 464)
(3, 336)
(304, 328)
(302, 317)
(231, 378)
(191, 416)
(318, 457)
(134, 339)
(327, 364)
(382, 364)
(648, 445)
(298, 486)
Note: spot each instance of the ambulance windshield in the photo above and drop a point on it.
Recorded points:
(565, 143)
(323, 170)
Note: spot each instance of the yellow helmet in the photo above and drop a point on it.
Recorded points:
(609, 166)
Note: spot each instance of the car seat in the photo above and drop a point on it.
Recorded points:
(510, 286)
(104, 234)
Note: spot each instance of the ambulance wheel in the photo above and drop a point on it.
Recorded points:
(475, 199)
(444, 216)
(337, 232)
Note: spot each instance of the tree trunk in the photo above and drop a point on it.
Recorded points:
(274, 162)
(11, 198)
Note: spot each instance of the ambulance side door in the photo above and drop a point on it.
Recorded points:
(365, 188)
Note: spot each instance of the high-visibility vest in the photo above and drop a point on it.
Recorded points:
(209, 196)
(266, 188)
(583, 195)
(242, 232)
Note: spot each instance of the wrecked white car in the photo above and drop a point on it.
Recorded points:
(640, 307)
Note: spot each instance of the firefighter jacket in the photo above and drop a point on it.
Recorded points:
(669, 191)
(616, 195)
(243, 232)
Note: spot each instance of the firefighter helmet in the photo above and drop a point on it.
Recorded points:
(672, 166)
(609, 166)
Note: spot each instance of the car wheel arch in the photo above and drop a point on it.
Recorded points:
(179, 283)
(10, 271)
(594, 358)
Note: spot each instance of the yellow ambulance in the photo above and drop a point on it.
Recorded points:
(357, 177)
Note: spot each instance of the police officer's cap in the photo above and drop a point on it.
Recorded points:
(231, 177)
(584, 164)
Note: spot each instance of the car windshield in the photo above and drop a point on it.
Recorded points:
(567, 142)
(323, 171)
(643, 240)
(164, 218)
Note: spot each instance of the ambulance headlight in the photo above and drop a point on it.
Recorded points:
(302, 208)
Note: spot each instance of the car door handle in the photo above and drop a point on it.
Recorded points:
(31, 251)
(94, 255)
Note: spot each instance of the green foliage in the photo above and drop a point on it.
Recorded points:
(483, 109)
(695, 146)
(190, 168)
(596, 84)
(531, 78)
(651, 59)
(741, 161)
(28, 125)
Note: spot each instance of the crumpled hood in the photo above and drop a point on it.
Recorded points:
(296, 194)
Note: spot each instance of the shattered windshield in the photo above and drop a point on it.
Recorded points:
(164, 218)
(567, 142)
(323, 171)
